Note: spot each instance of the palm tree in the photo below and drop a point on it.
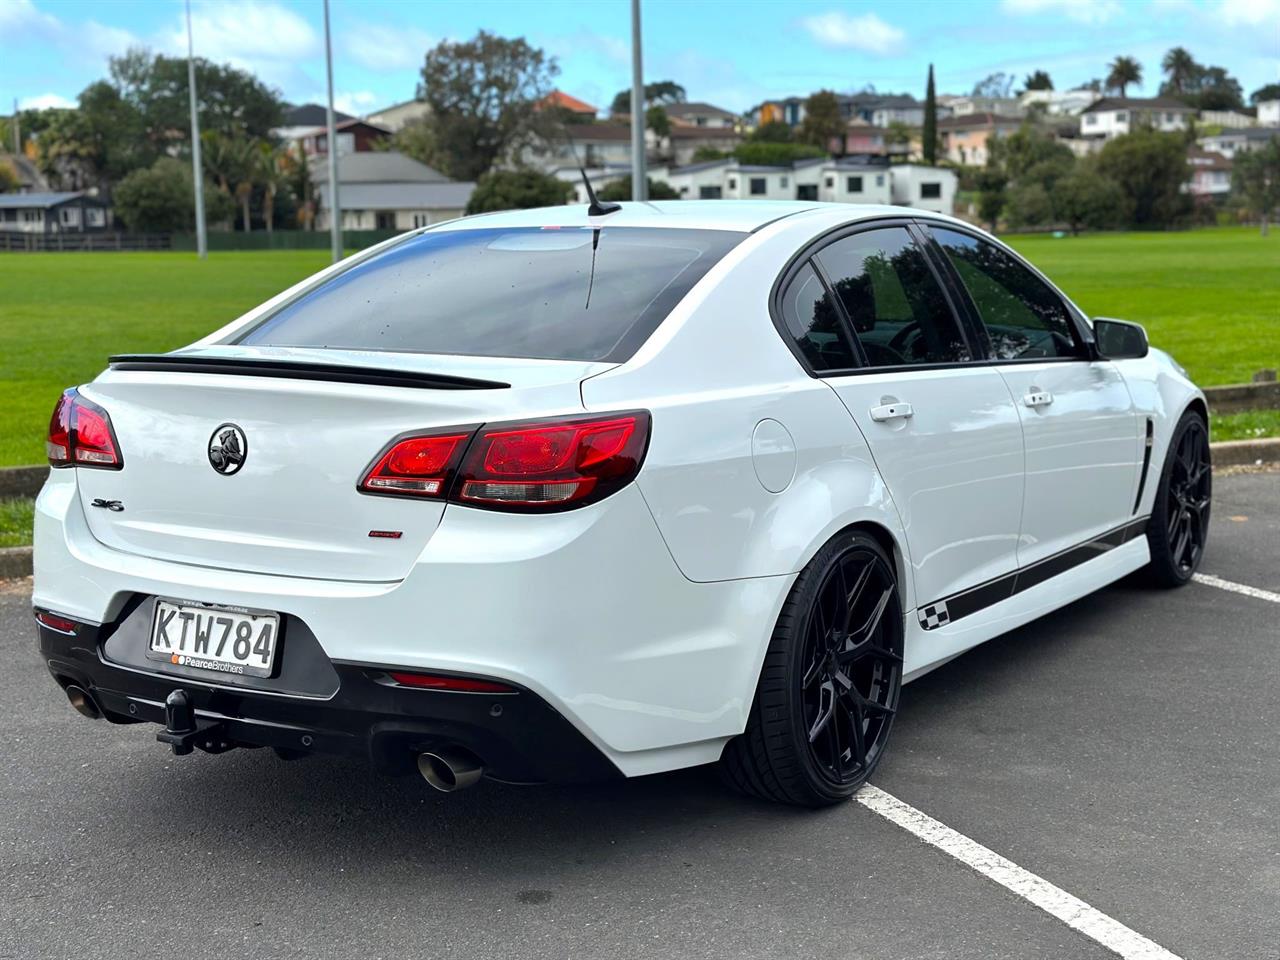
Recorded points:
(1124, 71)
(230, 161)
(270, 171)
(1181, 69)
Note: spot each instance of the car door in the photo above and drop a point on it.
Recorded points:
(942, 428)
(1082, 435)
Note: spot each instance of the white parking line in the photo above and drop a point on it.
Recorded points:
(1209, 580)
(1072, 911)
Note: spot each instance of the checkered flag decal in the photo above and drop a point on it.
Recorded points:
(935, 615)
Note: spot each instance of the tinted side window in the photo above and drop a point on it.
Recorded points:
(1025, 319)
(897, 308)
(813, 323)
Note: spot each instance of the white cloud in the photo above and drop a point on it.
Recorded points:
(1252, 13)
(357, 103)
(21, 19)
(1081, 11)
(866, 32)
(44, 101)
(385, 48)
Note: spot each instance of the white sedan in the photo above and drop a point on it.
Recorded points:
(560, 494)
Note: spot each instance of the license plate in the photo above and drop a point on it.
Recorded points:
(220, 639)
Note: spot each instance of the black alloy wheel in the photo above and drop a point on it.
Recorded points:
(831, 681)
(1179, 526)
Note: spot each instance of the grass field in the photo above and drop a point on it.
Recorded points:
(1210, 297)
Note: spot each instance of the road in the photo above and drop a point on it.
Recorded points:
(1126, 749)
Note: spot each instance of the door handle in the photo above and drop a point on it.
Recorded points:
(891, 411)
(1038, 398)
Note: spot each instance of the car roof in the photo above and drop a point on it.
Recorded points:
(739, 215)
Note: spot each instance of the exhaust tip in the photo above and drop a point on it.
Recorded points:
(83, 704)
(451, 769)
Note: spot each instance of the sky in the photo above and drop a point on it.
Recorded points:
(733, 53)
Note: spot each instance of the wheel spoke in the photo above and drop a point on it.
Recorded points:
(826, 709)
(868, 629)
(859, 736)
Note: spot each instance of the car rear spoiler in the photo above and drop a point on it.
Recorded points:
(299, 370)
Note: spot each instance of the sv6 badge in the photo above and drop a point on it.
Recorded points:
(115, 506)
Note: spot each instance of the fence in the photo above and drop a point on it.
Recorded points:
(218, 240)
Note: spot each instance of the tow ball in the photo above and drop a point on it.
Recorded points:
(184, 731)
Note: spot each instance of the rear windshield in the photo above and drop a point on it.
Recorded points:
(573, 293)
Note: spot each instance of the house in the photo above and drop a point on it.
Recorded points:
(30, 179)
(385, 190)
(395, 117)
(1268, 113)
(598, 144)
(354, 136)
(1228, 119)
(1114, 116)
(700, 115)
(559, 100)
(895, 108)
(730, 180)
(301, 120)
(1210, 173)
(966, 137)
(862, 137)
(1058, 103)
(685, 141)
(863, 179)
(51, 213)
(1230, 142)
(789, 111)
(1005, 106)
(926, 188)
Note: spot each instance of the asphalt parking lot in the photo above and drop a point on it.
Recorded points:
(1126, 749)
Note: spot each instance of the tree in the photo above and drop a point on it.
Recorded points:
(1270, 91)
(822, 120)
(1123, 71)
(1084, 198)
(1181, 72)
(1037, 80)
(159, 199)
(271, 172)
(775, 131)
(1151, 168)
(656, 119)
(1256, 179)
(482, 97)
(519, 189)
(1029, 205)
(231, 162)
(704, 154)
(620, 189)
(1029, 154)
(991, 196)
(775, 154)
(662, 91)
(897, 134)
(930, 133)
(8, 177)
(1219, 91)
(997, 86)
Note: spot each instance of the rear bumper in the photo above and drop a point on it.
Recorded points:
(584, 610)
(517, 735)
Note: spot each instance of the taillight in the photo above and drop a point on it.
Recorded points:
(80, 435)
(429, 681)
(542, 465)
(552, 464)
(416, 466)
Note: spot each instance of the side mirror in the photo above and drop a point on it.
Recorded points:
(1119, 339)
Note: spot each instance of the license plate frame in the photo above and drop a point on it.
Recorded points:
(216, 653)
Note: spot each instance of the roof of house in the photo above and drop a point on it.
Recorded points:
(1207, 159)
(696, 109)
(401, 196)
(311, 115)
(376, 166)
(1152, 103)
(20, 201)
(347, 124)
(558, 98)
(978, 120)
(600, 131)
(704, 165)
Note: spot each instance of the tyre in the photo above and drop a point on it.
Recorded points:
(1179, 525)
(829, 688)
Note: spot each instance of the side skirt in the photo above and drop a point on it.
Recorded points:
(1036, 596)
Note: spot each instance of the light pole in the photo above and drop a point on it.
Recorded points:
(335, 209)
(197, 170)
(639, 185)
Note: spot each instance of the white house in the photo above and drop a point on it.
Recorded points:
(1269, 113)
(1114, 116)
(1230, 142)
(1005, 106)
(385, 190)
(397, 115)
(928, 188)
(854, 181)
(1210, 173)
(1230, 119)
(1057, 103)
(700, 115)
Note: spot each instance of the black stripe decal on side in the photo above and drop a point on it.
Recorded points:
(958, 605)
(1146, 463)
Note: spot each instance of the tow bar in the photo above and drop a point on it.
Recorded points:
(184, 731)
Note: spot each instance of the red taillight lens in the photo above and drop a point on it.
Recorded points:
(426, 681)
(80, 435)
(55, 622)
(552, 464)
(416, 466)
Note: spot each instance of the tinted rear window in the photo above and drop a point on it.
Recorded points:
(562, 294)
